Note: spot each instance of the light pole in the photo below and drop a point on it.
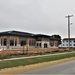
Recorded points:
(69, 29)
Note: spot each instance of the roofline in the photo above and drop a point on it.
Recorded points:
(69, 39)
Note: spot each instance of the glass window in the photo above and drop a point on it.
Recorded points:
(52, 43)
(63, 44)
(70, 41)
(11, 42)
(1, 41)
(32, 42)
(16, 42)
(67, 41)
(74, 44)
(40, 44)
(5, 42)
(66, 44)
(23, 42)
(70, 45)
(37, 44)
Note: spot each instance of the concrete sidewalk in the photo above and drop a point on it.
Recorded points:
(35, 56)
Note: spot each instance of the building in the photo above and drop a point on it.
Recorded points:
(18, 39)
(65, 43)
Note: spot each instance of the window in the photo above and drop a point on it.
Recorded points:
(37, 44)
(5, 42)
(52, 43)
(45, 45)
(66, 41)
(63, 44)
(66, 44)
(32, 42)
(63, 41)
(1, 41)
(74, 45)
(70, 41)
(11, 42)
(40, 44)
(70, 45)
(16, 42)
(23, 42)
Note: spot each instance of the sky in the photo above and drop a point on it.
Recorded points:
(38, 16)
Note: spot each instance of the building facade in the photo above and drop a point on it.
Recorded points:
(17, 40)
(65, 43)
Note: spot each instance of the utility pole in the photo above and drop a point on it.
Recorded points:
(69, 29)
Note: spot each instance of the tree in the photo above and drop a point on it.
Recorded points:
(57, 37)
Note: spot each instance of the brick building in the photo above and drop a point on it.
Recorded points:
(17, 40)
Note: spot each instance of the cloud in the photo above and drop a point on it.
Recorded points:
(37, 16)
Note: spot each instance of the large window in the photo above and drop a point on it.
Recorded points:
(66, 44)
(67, 41)
(31, 42)
(12, 42)
(63, 44)
(70, 44)
(45, 45)
(5, 42)
(51, 43)
(23, 42)
(39, 45)
(16, 42)
(74, 44)
(1, 41)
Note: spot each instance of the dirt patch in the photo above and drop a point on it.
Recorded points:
(20, 69)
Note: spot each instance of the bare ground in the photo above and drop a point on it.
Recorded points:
(15, 70)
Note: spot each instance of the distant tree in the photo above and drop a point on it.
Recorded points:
(57, 37)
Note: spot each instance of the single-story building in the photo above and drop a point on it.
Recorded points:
(18, 39)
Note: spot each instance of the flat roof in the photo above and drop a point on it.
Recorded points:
(69, 38)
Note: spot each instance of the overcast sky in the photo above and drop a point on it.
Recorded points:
(37, 16)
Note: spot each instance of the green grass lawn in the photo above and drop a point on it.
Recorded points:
(23, 62)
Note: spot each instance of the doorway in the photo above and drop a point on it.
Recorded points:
(45, 45)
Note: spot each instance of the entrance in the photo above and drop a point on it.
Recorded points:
(45, 45)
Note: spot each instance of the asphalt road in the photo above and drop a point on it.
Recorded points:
(67, 68)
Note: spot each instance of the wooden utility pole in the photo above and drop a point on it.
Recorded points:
(69, 30)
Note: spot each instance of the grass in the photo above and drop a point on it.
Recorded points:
(23, 62)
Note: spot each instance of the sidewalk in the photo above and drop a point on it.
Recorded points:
(35, 56)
